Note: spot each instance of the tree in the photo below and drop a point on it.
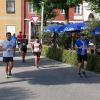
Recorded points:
(91, 26)
(65, 4)
(94, 5)
(50, 5)
(49, 12)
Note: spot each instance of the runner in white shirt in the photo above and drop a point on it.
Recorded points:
(36, 45)
(7, 47)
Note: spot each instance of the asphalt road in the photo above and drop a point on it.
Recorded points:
(52, 81)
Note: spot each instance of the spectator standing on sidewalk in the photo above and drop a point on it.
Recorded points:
(19, 40)
(7, 47)
(24, 44)
(92, 47)
(81, 46)
(14, 39)
(37, 47)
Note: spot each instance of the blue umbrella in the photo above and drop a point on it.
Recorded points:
(81, 25)
(72, 27)
(61, 29)
(52, 28)
(66, 27)
(69, 27)
(96, 31)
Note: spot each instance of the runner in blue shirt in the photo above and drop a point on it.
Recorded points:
(81, 46)
(14, 39)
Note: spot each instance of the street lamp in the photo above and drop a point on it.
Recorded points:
(42, 11)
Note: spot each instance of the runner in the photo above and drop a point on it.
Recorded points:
(24, 44)
(19, 39)
(81, 46)
(7, 47)
(37, 47)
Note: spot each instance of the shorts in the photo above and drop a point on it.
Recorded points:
(7, 59)
(81, 58)
(18, 43)
(37, 54)
(24, 50)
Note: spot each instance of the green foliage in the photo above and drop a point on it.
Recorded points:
(48, 9)
(91, 61)
(94, 5)
(50, 5)
(97, 66)
(46, 38)
(94, 62)
(59, 54)
(66, 40)
(91, 26)
(70, 57)
(62, 40)
(55, 53)
(65, 4)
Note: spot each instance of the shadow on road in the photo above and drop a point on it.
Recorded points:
(50, 73)
(57, 76)
(15, 93)
(54, 76)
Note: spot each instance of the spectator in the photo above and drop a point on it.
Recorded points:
(14, 39)
(91, 47)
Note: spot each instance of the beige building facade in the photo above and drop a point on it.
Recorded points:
(10, 17)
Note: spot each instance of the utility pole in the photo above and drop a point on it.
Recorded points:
(42, 12)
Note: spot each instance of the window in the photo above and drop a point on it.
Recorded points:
(91, 17)
(62, 11)
(30, 7)
(10, 6)
(77, 9)
(11, 28)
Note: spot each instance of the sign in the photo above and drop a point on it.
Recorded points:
(35, 19)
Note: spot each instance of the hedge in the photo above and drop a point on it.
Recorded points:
(59, 54)
(70, 57)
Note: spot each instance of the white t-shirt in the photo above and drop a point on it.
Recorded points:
(8, 46)
(36, 47)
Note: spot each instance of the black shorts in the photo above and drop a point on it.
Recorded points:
(18, 43)
(81, 58)
(37, 54)
(7, 59)
(24, 50)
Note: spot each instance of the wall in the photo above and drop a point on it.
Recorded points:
(9, 19)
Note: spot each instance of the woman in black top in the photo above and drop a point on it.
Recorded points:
(24, 44)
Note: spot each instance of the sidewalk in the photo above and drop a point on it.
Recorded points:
(53, 81)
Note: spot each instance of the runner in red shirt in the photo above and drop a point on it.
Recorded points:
(19, 40)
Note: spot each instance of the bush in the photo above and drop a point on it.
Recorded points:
(70, 57)
(94, 62)
(59, 54)
(91, 61)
